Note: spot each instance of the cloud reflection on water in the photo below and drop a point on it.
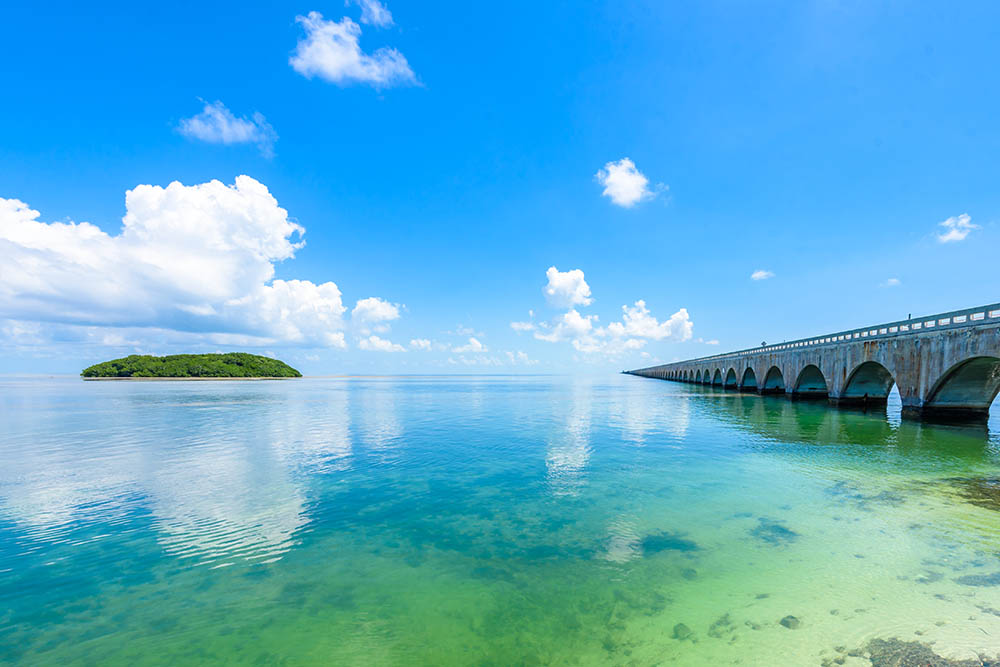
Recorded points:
(221, 482)
(569, 448)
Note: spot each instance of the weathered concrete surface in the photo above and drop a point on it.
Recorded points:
(948, 370)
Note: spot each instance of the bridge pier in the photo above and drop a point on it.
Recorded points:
(947, 415)
(859, 402)
(946, 367)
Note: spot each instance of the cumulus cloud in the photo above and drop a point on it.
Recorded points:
(625, 185)
(196, 259)
(519, 357)
(420, 344)
(566, 289)
(472, 346)
(569, 289)
(330, 50)
(891, 282)
(761, 274)
(505, 358)
(637, 321)
(373, 13)
(462, 330)
(374, 310)
(611, 347)
(375, 344)
(218, 125)
(957, 227)
(568, 326)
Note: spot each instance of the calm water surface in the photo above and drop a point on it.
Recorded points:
(502, 521)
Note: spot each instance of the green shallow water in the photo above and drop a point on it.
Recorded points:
(483, 521)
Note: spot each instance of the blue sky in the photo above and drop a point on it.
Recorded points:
(442, 160)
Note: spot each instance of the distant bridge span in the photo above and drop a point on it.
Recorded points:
(946, 366)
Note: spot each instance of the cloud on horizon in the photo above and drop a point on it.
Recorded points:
(569, 289)
(198, 260)
(375, 344)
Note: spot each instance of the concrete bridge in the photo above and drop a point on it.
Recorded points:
(946, 366)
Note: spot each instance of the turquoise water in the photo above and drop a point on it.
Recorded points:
(484, 520)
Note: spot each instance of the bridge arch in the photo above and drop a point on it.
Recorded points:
(811, 383)
(707, 377)
(731, 381)
(749, 379)
(717, 378)
(870, 379)
(966, 389)
(774, 382)
(697, 377)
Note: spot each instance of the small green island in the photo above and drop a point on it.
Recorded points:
(236, 365)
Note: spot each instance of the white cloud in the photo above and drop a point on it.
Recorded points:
(761, 274)
(611, 347)
(707, 342)
(374, 309)
(88, 341)
(478, 360)
(420, 344)
(196, 259)
(569, 326)
(625, 185)
(462, 330)
(582, 331)
(566, 289)
(373, 12)
(375, 344)
(637, 321)
(330, 50)
(958, 227)
(891, 282)
(217, 125)
(521, 357)
(294, 311)
(505, 358)
(472, 346)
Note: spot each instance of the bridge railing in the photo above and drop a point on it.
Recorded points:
(955, 319)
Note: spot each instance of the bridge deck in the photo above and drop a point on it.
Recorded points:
(945, 365)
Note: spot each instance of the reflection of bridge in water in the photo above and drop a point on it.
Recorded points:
(810, 423)
(945, 366)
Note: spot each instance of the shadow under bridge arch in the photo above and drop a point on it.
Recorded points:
(869, 383)
(965, 391)
(774, 382)
(811, 383)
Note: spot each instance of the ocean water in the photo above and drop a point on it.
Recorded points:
(484, 521)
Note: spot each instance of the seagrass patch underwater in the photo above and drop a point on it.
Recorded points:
(487, 520)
